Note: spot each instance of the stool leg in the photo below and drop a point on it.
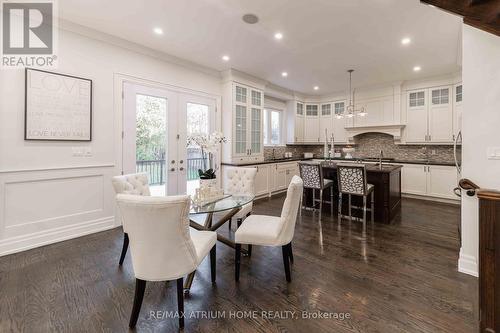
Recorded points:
(373, 206)
(340, 207)
(320, 200)
(350, 210)
(331, 200)
(364, 213)
(314, 198)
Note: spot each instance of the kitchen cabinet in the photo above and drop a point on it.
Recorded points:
(262, 179)
(325, 122)
(457, 108)
(339, 123)
(311, 123)
(243, 123)
(429, 115)
(295, 122)
(429, 180)
(284, 173)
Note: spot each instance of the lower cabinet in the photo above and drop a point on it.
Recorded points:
(273, 177)
(429, 180)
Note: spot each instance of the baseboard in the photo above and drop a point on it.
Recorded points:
(468, 264)
(428, 198)
(30, 241)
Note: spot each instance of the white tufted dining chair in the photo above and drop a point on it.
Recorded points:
(137, 184)
(240, 181)
(272, 230)
(162, 245)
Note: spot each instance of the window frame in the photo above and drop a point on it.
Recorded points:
(266, 125)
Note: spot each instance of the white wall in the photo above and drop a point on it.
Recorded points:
(46, 194)
(480, 125)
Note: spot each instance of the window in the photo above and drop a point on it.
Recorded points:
(458, 94)
(440, 96)
(326, 109)
(417, 99)
(272, 127)
(311, 110)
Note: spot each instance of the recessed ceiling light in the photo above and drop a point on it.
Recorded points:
(278, 35)
(225, 58)
(405, 41)
(316, 88)
(158, 31)
(250, 18)
(417, 68)
(284, 74)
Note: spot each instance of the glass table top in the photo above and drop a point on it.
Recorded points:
(228, 202)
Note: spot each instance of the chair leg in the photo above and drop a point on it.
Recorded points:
(321, 200)
(140, 287)
(331, 200)
(314, 198)
(124, 248)
(180, 301)
(286, 262)
(237, 258)
(373, 206)
(364, 213)
(301, 205)
(350, 208)
(290, 252)
(230, 220)
(213, 257)
(340, 207)
(249, 250)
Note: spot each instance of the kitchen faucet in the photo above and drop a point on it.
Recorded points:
(380, 159)
(274, 157)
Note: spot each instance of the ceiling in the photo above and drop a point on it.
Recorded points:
(322, 38)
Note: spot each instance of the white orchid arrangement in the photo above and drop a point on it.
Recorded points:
(209, 145)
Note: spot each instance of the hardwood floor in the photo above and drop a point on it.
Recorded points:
(401, 278)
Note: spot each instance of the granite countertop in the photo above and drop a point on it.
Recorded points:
(400, 161)
(386, 168)
(279, 160)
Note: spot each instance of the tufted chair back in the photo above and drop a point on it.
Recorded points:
(352, 178)
(134, 183)
(160, 241)
(290, 210)
(239, 181)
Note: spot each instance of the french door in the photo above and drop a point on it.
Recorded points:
(156, 123)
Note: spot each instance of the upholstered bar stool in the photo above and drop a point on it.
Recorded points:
(312, 176)
(352, 181)
(136, 184)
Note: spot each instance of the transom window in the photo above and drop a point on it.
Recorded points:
(417, 98)
(458, 94)
(273, 129)
(326, 109)
(440, 96)
(311, 110)
(241, 94)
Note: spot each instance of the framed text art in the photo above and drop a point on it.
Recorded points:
(58, 107)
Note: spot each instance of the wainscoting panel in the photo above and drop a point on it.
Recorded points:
(46, 206)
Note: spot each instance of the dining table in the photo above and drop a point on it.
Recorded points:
(210, 215)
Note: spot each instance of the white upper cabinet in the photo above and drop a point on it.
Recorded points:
(416, 115)
(441, 115)
(295, 121)
(242, 123)
(457, 109)
(339, 123)
(429, 115)
(326, 121)
(311, 124)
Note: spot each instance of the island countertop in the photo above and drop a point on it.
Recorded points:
(386, 168)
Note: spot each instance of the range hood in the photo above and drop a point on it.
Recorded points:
(394, 130)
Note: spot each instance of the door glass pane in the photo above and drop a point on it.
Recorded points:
(151, 139)
(241, 94)
(197, 123)
(256, 98)
(339, 108)
(241, 129)
(326, 109)
(265, 126)
(311, 110)
(256, 121)
(300, 109)
(275, 127)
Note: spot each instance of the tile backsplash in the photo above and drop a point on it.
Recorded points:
(369, 145)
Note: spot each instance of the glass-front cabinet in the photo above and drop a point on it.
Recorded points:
(246, 140)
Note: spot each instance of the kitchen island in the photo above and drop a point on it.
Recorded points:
(387, 192)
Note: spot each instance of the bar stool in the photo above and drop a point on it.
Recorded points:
(352, 181)
(312, 176)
